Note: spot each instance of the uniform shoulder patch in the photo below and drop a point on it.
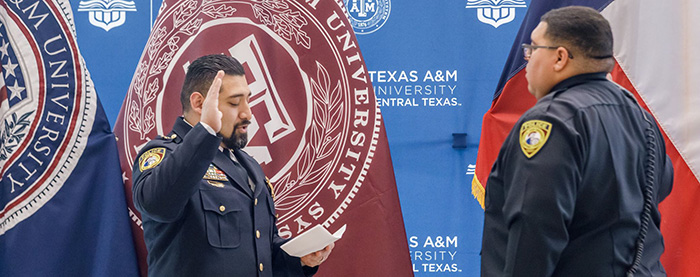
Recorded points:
(533, 135)
(151, 158)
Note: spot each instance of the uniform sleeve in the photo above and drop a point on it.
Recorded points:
(162, 191)
(540, 195)
(284, 264)
(665, 172)
(666, 183)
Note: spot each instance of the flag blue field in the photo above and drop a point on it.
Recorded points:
(61, 192)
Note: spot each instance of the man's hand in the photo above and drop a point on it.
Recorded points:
(318, 257)
(211, 115)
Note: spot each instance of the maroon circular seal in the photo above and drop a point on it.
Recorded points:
(315, 125)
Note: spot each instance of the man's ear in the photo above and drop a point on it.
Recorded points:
(196, 102)
(562, 59)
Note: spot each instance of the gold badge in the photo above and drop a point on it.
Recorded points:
(151, 158)
(171, 137)
(215, 174)
(215, 183)
(533, 135)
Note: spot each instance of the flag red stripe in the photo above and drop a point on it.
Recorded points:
(680, 207)
(497, 123)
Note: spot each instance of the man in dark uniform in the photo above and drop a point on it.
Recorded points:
(566, 196)
(206, 204)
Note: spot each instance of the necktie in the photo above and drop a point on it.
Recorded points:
(241, 169)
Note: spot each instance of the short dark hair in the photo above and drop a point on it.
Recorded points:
(582, 29)
(201, 73)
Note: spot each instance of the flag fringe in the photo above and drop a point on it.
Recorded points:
(478, 191)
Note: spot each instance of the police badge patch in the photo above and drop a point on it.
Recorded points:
(151, 158)
(533, 135)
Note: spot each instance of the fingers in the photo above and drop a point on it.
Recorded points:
(213, 93)
(211, 115)
(324, 253)
(310, 260)
(318, 257)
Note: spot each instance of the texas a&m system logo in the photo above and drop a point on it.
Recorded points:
(47, 106)
(367, 16)
(107, 14)
(315, 124)
(495, 12)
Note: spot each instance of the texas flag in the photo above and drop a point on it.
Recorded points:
(656, 44)
(316, 129)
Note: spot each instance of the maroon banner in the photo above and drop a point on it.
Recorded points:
(317, 131)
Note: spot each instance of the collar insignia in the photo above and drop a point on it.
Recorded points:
(170, 137)
(533, 135)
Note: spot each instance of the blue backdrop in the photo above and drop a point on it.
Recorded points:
(434, 66)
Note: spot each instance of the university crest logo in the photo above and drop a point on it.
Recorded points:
(107, 14)
(315, 124)
(495, 12)
(367, 16)
(47, 105)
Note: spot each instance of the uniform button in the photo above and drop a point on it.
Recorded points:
(256, 201)
(277, 216)
(222, 208)
(261, 267)
(257, 233)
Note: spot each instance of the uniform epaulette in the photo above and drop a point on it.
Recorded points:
(170, 137)
(270, 188)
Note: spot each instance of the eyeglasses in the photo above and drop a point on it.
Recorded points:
(529, 48)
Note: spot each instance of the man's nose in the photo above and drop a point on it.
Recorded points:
(244, 112)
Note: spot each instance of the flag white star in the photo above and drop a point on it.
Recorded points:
(9, 68)
(15, 91)
(3, 48)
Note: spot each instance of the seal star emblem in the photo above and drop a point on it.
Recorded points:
(15, 91)
(9, 67)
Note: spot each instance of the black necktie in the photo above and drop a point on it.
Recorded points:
(241, 170)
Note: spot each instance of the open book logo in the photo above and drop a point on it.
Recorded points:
(107, 14)
(495, 12)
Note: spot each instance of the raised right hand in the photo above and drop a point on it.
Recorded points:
(211, 115)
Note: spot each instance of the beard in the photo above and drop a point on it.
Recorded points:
(236, 141)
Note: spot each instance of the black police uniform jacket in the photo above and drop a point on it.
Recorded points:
(573, 208)
(200, 217)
